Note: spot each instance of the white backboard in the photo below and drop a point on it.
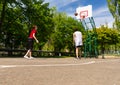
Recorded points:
(84, 12)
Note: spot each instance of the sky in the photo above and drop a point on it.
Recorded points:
(100, 10)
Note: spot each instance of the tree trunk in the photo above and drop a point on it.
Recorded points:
(2, 15)
(102, 50)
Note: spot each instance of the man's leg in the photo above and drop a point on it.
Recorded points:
(80, 52)
(77, 52)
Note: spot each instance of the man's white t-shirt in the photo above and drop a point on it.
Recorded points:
(78, 38)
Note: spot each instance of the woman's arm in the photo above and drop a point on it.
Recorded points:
(35, 38)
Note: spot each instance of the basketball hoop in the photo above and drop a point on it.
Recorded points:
(83, 12)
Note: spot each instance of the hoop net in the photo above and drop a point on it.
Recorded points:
(82, 17)
(83, 14)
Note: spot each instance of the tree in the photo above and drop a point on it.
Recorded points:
(3, 4)
(61, 38)
(19, 17)
(114, 7)
(107, 36)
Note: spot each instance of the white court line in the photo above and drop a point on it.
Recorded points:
(58, 65)
(46, 65)
(103, 61)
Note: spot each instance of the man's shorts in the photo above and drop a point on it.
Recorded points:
(78, 44)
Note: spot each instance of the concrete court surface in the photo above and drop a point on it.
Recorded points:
(59, 71)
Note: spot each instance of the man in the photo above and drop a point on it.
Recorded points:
(31, 39)
(77, 40)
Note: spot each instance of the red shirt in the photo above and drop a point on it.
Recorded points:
(32, 32)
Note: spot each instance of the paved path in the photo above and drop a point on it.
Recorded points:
(59, 71)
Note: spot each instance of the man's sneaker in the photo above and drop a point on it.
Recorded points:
(26, 57)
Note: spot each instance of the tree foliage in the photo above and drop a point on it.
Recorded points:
(54, 28)
(61, 38)
(107, 37)
(19, 16)
(114, 7)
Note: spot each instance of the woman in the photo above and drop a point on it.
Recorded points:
(31, 39)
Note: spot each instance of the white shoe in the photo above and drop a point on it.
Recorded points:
(31, 57)
(26, 57)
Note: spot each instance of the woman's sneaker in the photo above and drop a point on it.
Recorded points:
(31, 57)
(26, 57)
